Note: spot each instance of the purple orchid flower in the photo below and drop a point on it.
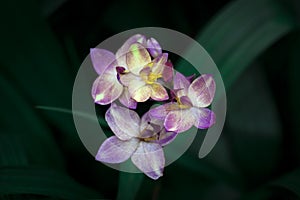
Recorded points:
(133, 56)
(190, 106)
(107, 87)
(143, 81)
(140, 139)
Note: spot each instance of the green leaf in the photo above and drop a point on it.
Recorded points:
(12, 151)
(234, 38)
(253, 121)
(101, 121)
(20, 118)
(293, 94)
(129, 185)
(240, 33)
(290, 181)
(40, 181)
(33, 59)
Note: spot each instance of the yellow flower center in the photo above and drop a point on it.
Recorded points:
(151, 77)
(153, 138)
(180, 104)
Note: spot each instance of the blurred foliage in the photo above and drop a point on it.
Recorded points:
(255, 44)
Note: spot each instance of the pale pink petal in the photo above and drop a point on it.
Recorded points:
(125, 123)
(139, 91)
(202, 90)
(181, 84)
(101, 59)
(165, 137)
(121, 53)
(114, 150)
(158, 92)
(150, 159)
(160, 112)
(126, 100)
(137, 58)
(106, 87)
(154, 47)
(179, 120)
(205, 118)
(159, 63)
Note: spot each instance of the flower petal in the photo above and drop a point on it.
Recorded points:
(101, 59)
(158, 92)
(160, 112)
(154, 47)
(181, 84)
(205, 118)
(126, 100)
(121, 53)
(165, 137)
(123, 122)
(106, 87)
(142, 94)
(179, 120)
(159, 63)
(114, 150)
(139, 91)
(150, 159)
(126, 78)
(168, 71)
(202, 90)
(137, 58)
(186, 101)
(150, 126)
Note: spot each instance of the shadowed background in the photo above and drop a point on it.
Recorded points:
(255, 44)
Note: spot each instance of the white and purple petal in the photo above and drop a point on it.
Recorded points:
(160, 112)
(101, 59)
(202, 91)
(168, 72)
(114, 150)
(158, 92)
(159, 63)
(154, 47)
(181, 84)
(121, 53)
(136, 58)
(149, 158)
(166, 137)
(138, 90)
(123, 122)
(126, 100)
(126, 78)
(150, 126)
(179, 120)
(205, 117)
(186, 101)
(106, 88)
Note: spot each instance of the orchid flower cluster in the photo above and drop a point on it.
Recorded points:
(140, 71)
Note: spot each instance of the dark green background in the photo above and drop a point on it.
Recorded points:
(256, 45)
